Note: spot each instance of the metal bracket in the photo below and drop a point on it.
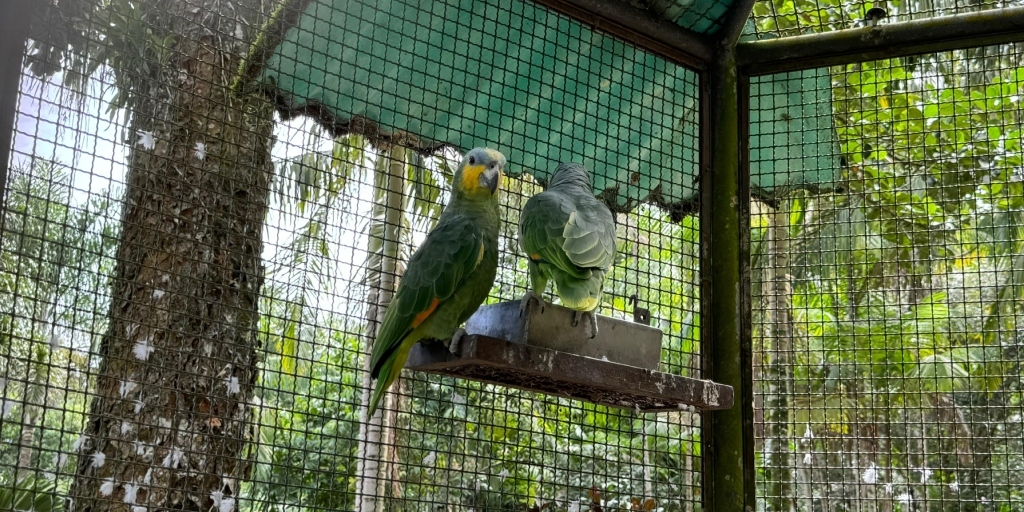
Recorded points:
(640, 315)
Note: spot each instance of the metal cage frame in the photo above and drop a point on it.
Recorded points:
(725, 67)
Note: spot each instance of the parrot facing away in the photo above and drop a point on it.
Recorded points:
(568, 236)
(449, 276)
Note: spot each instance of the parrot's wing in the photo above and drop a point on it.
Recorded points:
(575, 240)
(435, 272)
(590, 236)
(541, 225)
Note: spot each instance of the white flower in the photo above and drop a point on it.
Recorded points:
(807, 458)
(126, 427)
(429, 459)
(870, 475)
(99, 459)
(173, 457)
(131, 492)
(233, 386)
(200, 151)
(503, 475)
(808, 435)
(905, 498)
(147, 140)
(143, 349)
(227, 504)
(78, 443)
(107, 488)
(127, 386)
(6, 406)
(574, 506)
(954, 486)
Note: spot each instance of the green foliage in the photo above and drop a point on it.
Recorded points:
(904, 289)
(31, 493)
(53, 265)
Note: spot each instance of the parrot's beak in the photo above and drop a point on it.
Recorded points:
(490, 178)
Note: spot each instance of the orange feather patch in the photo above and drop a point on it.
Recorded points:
(418, 319)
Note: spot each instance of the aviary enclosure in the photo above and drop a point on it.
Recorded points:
(208, 203)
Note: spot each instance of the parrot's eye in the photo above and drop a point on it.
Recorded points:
(472, 160)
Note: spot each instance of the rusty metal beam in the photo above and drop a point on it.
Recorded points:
(522, 366)
(646, 30)
(732, 25)
(886, 40)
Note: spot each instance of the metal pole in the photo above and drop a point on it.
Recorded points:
(726, 350)
(735, 19)
(886, 40)
(14, 30)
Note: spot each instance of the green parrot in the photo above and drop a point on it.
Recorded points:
(450, 274)
(569, 237)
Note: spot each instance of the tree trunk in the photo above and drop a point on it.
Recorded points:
(777, 464)
(172, 407)
(385, 234)
(32, 414)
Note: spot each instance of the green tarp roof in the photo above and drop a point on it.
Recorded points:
(700, 16)
(532, 83)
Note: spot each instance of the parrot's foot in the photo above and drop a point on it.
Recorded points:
(592, 318)
(525, 303)
(453, 346)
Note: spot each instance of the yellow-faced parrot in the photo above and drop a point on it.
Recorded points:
(449, 276)
(569, 238)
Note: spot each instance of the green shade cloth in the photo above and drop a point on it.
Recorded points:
(702, 17)
(792, 138)
(520, 78)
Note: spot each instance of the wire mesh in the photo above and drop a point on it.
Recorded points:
(887, 303)
(188, 306)
(790, 18)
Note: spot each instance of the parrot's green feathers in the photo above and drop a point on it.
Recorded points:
(569, 237)
(450, 274)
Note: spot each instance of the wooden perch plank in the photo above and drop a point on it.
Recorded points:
(532, 368)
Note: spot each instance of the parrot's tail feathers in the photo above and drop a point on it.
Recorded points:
(378, 392)
(580, 294)
(388, 355)
(389, 368)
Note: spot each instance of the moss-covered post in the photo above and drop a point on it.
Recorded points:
(727, 435)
